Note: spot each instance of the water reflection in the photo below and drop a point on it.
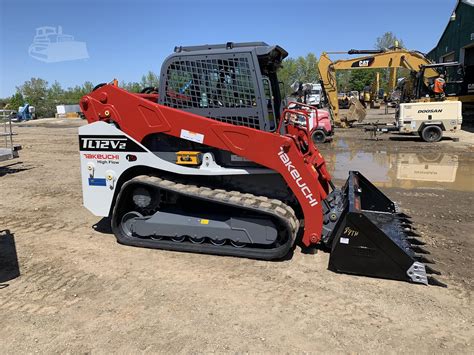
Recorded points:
(405, 170)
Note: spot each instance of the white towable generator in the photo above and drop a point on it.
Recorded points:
(427, 119)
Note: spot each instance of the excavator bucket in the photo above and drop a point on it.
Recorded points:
(356, 112)
(374, 239)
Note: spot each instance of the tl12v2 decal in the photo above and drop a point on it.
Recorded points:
(108, 143)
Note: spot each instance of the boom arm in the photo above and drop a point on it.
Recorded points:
(392, 59)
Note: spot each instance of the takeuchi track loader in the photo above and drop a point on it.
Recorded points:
(213, 163)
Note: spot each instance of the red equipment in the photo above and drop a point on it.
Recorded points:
(220, 184)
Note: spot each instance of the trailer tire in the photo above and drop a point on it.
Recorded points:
(431, 134)
(318, 136)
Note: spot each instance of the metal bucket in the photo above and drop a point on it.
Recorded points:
(374, 239)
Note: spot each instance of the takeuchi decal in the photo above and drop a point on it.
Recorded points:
(295, 174)
(102, 156)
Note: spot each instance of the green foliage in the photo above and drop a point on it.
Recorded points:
(304, 69)
(15, 101)
(46, 97)
(3, 103)
(387, 40)
(149, 79)
(343, 80)
(361, 78)
(35, 92)
(131, 87)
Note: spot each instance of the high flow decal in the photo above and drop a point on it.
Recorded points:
(295, 174)
(108, 143)
(364, 63)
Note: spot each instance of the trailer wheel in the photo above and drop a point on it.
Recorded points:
(318, 136)
(431, 134)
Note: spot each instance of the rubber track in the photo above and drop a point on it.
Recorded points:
(258, 204)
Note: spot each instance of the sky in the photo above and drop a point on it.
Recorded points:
(125, 39)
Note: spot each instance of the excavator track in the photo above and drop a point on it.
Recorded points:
(282, 215)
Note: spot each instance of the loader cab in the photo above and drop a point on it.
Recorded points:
(234, 83)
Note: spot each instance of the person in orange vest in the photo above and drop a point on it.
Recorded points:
(439, 86)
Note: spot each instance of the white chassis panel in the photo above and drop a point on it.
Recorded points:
(102, 166)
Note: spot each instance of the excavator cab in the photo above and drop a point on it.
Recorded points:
(453, 73)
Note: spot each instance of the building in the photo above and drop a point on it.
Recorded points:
(457, 41)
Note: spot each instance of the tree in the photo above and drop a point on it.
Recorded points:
(87, 87)
(150, 79)
(288, 74)
(16, 101)
(343, 80)
(361, 78)
(308, 68)
(131, 87)
(387, 40)
(34, 92)
(304, 69)
(3, 103)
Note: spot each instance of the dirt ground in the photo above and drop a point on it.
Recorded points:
(79, 291)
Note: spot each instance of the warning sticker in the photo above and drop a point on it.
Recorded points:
(192, 136)
(344, 240)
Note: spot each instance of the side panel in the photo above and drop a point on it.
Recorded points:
(412, 115)
(106, 153)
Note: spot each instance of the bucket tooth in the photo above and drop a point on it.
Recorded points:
(430, 270)
(415, 241)
(412, 234)
(418, 249)
(424, 259)
(403, 215)
(435, 282)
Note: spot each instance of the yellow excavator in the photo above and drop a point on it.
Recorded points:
(373, 59)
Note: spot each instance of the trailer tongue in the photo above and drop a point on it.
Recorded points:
(213, 164)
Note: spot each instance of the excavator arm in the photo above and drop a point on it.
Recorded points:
(392, 59)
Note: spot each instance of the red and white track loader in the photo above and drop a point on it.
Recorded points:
(212, 163)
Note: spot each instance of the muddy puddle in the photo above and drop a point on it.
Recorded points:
(436, 170)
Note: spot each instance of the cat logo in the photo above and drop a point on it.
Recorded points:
(363, 63)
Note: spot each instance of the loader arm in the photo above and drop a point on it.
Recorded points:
(305, 173)
(391, 59)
